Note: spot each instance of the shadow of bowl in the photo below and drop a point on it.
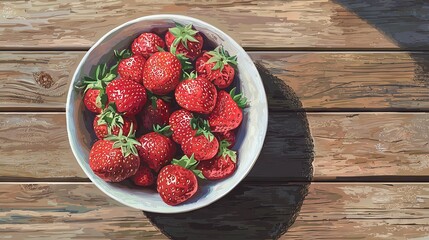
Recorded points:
(257, 208)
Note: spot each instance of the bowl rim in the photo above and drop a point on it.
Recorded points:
(69, 115)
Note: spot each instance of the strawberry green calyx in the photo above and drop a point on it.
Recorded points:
(126, 143)
(191, 75)
(166, 130)
(100, 79)
(182, 34)
(225, 151)
(202, 127)
(220, 57)
(238, 98)
(189, 163)
(111, 117)
(125, 53)
(184, 61)
(153, 98)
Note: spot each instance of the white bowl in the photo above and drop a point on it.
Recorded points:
(250, 135)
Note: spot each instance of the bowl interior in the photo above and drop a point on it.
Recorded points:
(250, 135)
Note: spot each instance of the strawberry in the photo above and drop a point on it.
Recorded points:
(129, 96)
(144, 176)
(157, 150)
(115, 158)
(229, 136)
(95, 98)
(147, 44)
(156, 113)
(227, 114)
(203, 145)
(161, 73)
(110, 120)
(184, 40)
(222, 166)
(178, 182)
(196, 94)
(216, 67)
(130, 67)
(180, 122)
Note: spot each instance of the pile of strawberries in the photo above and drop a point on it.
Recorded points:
(170, 93)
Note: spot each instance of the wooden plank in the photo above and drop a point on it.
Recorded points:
(345, 145)
(293, 80)
(273, 24)
(251, 211)
(68, 211)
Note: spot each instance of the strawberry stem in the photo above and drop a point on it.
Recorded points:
(189, 163)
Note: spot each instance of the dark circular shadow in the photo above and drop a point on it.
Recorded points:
(264, 205)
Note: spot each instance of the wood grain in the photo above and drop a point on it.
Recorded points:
(329, 211)
(316, 80)
(345, 145)
(263, 24)
(34, 80)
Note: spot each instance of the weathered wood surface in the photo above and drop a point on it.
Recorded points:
(293, 80)
(273, 24)
(345, 145)
(329, 211)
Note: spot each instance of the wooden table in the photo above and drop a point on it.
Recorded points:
(346, 154)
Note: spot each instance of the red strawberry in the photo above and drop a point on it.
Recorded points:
(114, 158)
(177, 182)
(144, 176)
(229, 136)
(128, 96)
(147, 44)
(196, 95)
(90, 100)
(110, 119)
(156, 113)
(184, 40)
(95, 98)
(156, 149)
(216, 67)
(227, 114)
(203, 145)
(222, 166)
(161, 73)
(180, 122)
(132, 68)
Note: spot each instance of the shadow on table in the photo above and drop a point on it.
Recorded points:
(257, 210)
(404, 22)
